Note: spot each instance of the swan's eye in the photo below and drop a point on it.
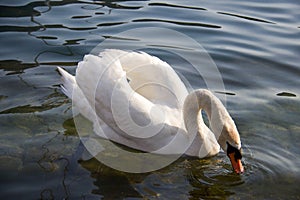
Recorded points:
(231, 149)
(238, 154)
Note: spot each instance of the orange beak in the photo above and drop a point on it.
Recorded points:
(236, 164)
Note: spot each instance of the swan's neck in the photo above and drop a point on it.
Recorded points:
(206, 140)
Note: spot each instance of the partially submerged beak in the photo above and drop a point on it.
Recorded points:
(236, 163)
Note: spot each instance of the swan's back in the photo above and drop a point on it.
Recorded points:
(150, 77)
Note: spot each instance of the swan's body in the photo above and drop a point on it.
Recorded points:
(139, 101)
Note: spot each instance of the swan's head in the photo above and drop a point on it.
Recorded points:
(230, 142)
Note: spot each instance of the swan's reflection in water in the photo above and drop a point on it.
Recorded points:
(187, 178)
(110, 184)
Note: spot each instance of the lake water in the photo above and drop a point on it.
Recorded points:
(255, 46)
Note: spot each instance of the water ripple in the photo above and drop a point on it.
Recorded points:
(111, 23)
(246, 17)
(176, 6)
(267, 156)
(81, 16)
(178, 23)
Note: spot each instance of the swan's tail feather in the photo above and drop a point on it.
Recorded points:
(70, 88)
(68, 82)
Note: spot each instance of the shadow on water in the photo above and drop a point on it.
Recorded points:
(186, 178)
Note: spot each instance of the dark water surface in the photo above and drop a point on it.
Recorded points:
(255, 45)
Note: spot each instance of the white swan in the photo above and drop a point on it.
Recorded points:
(139, 101)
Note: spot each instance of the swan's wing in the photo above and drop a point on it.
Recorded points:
(104, 83)
(150, 77)
(112, 94)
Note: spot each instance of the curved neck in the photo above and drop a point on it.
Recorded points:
(217, 115)
(215, 110)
